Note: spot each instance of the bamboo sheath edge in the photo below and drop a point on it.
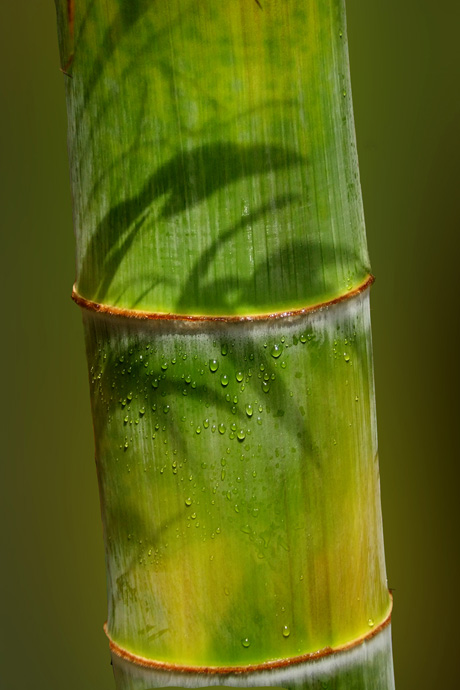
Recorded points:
(167, 316)
(250, 668)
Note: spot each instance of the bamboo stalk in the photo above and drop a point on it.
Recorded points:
(223, 275)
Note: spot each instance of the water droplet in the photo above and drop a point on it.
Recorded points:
(164, 366)
(206, 423)
(142, 411)
(249, 410)
(198, 430)
(239, 376)
(126, 419)
(265, 386)
(303, 338)
(370, 622)
(155, 383)
(245, 642)
(166, 409)
(241, 435)
(286, 631)
(276, 351)
(129, 396)
(221, 428)
(346, 357)
(188, 378)
(224, 349)
(344, 93)
(213, 365)
(188, 501)
(193, 516)
(224, 380)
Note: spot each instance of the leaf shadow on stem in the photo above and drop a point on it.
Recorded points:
(186, 180)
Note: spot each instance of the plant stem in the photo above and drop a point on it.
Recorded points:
(223, 274)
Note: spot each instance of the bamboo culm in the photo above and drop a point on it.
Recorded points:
(223, 276)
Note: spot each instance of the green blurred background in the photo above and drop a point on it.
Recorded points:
(405, 62)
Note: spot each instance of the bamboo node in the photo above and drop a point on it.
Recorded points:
(267, 665)
(166, 316)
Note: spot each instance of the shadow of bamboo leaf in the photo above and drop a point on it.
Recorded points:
(125, 374)
(305, 260)
(185, 181)
(129, 12)
(203, 262)
(192, 176)
(278, 398)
